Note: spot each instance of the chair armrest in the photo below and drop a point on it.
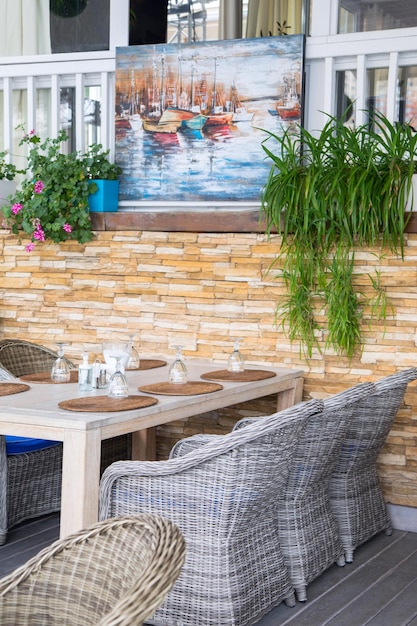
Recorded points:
(188, 444)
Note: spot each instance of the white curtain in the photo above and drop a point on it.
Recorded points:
(24, 27)
(265, 15)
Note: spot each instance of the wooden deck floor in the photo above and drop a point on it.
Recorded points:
(378, 589)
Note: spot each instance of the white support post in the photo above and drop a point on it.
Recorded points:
(31, 103)
(360, 118)
(391, 87)
(105, 112)
(55, 105)
(79, 113)
(119, 23)
(8, 113)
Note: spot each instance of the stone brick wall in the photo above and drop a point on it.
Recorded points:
(202, 290)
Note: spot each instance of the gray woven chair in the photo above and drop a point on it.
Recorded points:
(23, 357)
(356, 496)
(30, 483)
(306, 528)
(221, 497)
(114, 572)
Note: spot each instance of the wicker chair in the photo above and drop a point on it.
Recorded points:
(221, 498)
(114, 572)
(356, 497)
(306, 528)
(30, 483)
(23, 357)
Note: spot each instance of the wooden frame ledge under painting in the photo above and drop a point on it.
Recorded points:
(189, 125)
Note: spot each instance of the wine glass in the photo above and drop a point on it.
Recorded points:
(113, 349)
(178, 370)
(236, 362)
(118, 386)
(133, 361)
(60, 372)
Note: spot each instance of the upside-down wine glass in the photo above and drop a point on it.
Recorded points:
(60, 372)
(236, 362)
(133, 361)
(178, 370)
(118, 386)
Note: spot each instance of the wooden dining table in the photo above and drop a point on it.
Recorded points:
(36, 413)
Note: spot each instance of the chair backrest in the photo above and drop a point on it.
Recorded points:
(372, 420)
(320, 440)
(23, 357)
(114, 572)
(238, 469)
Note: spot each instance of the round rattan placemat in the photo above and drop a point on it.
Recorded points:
(45, 377)
(8, 389)
(104, 404)
(190, 388)
(238, 377)
(147, 364)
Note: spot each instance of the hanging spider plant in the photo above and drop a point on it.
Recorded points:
(328, 195)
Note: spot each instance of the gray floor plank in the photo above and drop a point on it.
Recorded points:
(378, 589)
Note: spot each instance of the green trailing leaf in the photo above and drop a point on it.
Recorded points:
(329, 194)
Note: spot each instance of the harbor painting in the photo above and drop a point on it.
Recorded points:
(190, 118)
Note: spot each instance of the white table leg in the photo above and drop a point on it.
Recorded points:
(80, 480)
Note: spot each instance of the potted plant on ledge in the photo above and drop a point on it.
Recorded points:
(328, 195)
(104, 188)
(53, 201)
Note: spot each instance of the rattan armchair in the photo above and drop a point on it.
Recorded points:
(30, 483)
(221, 496)
(116, 572)
(356, 496)
(306, 528)
(23, 357)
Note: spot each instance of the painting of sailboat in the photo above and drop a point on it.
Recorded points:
(190, 118)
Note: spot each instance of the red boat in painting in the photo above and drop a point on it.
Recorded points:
(289, 106)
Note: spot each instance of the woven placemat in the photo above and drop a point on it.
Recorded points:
(238, 377)
(190, 388)
(45, 377)
(147, 364)
(104, 404)
(8, 389)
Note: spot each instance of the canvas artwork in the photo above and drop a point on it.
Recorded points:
(190, 118)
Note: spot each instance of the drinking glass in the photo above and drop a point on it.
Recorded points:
(117, 387)
(113, 349)
(178, 370)
(60, 372)
(133, 361)
(236, 362)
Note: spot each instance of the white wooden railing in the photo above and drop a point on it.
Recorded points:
(52, 73)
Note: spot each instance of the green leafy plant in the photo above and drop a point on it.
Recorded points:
(8, 171)
(99, 166)
(329, 194)
(52, 201)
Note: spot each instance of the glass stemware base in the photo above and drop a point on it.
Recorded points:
(60, 372)
(117, 386)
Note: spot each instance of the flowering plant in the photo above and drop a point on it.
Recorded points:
(52, 202)
(8, 171)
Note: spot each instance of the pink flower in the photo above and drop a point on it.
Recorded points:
(16, 208)
(32, 132)
(30, 247)
(39, 186)
(39, 234)
(67, 228)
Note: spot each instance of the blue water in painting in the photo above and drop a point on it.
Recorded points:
(218, 164)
